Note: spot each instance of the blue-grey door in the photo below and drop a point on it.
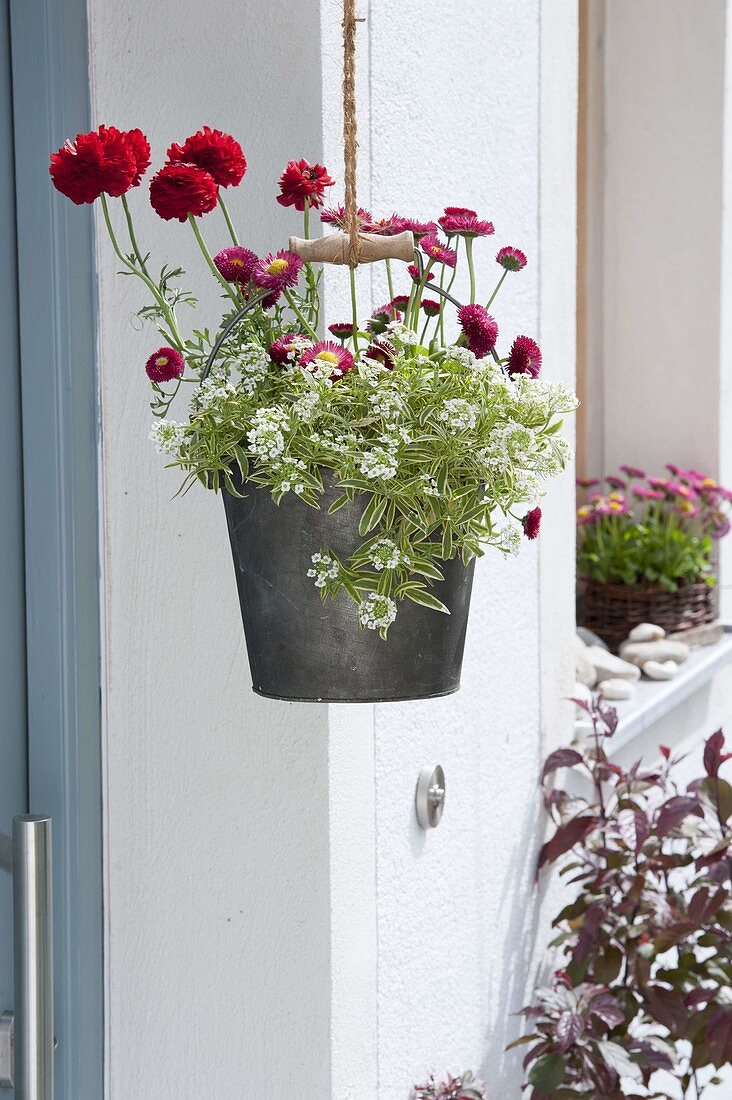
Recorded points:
(13, 710)
(50, 686)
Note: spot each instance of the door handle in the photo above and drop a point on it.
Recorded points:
(26, 1035)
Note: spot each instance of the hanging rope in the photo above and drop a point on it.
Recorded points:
(350, 142)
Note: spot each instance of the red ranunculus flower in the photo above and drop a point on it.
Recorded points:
(300, 181)
(182, 189)
(217, 153)
(101, 161)
(165, 365)
(140, 148)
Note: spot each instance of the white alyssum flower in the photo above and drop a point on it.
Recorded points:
(526, 488)
(429, 485)
(325, 568)
(167, 435)
(213, 390)
(509, 539)
(385, 554)
(459, 415)
(290, 475)
(398, 333)
(540, 397)
(386, 403)
(254, 363)
(463, 356)
(377, 612)
(510, 444)
(266, 439)
(379, 462)
(304, 408)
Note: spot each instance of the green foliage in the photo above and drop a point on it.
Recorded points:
(439, 451)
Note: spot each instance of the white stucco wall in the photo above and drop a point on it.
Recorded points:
(277, 924)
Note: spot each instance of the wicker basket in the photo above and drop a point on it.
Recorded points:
(612, 610)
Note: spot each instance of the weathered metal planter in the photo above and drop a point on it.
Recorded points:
(301, 648)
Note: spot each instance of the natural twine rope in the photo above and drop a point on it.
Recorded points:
(350, 142)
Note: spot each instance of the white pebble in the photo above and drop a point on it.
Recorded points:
(616, 689)
(646, 632)
(660, 670)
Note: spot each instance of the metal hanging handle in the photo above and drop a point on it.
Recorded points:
(26, 1035)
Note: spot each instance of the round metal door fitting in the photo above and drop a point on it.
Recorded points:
(430, 796)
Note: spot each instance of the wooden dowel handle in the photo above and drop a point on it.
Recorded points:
(334, 249)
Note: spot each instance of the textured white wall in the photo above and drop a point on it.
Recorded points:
(277, 924)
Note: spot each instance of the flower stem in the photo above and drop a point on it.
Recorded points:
(227, 219)
(294, 307)
(306, 219)
(498, 287)
(443, 302)
(207, 256)
(133, 239)
(389, 280)
(141, 273)
(471, 268)
(354, 307)
(414, 321)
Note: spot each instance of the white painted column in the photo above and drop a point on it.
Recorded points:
(217, 802)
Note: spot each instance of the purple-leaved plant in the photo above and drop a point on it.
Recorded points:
(645, 948)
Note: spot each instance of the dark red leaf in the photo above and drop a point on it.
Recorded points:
(568, 1030)
(667, 1006)
(565, 838)
(713, 755)
(607, 1009)
(704, 905)
(673, 812)
(719, 1037)
(697, 998)
(562, 758)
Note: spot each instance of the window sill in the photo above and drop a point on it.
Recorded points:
(655, 699)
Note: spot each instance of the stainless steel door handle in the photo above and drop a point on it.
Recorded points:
(26, 1035)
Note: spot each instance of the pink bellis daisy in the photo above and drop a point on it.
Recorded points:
(465, 225)
(341, 329)
(512, 259)
(480, 329)
(165, 365)
(236, 264)
(336, 215)
(385, 227)
(382, 352)
(433, 247)
(332, 359)
(277, 271)
(420, 229)
(633, 471)
(524, 357)
(280, 350)
(430, 306)
(414, 272)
